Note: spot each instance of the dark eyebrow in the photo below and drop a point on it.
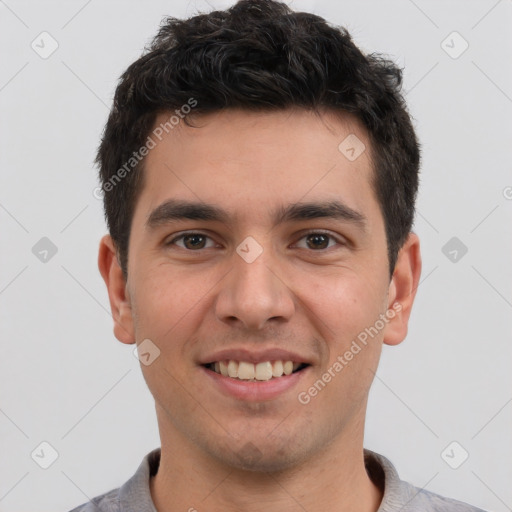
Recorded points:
(179, 210)
(314, 210)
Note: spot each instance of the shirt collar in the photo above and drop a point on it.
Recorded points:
(135, 494)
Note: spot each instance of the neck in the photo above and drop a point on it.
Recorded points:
(335, 479)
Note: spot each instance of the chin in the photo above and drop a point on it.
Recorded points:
(261, 459)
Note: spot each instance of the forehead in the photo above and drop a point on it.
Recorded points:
(248, 161)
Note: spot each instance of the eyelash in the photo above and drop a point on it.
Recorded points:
(305, 235)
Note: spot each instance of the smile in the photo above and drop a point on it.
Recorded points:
(263, 371)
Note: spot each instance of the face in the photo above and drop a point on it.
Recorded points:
(256, 240)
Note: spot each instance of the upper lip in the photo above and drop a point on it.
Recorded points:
(253, 356)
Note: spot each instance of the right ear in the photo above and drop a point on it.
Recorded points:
(120, 304)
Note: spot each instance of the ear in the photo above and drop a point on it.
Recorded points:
(120, 304)
(402, 290)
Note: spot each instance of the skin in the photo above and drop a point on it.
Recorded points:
(295, 296)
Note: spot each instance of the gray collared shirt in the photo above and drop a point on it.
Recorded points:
(399, 496)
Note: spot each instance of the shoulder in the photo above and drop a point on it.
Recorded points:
(108, 502)
(423, 500)
(403, 496)
(133, 496)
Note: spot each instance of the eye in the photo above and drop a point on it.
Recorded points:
(192, 241)
(317, 241)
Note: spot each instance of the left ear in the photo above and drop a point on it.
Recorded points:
(402, 290)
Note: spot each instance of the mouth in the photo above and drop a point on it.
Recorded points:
(255, 372)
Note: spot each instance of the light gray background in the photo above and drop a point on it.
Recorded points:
(65, 379)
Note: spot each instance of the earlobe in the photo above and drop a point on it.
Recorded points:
(402, 290)
(120, 304)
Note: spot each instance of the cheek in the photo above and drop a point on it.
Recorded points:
(345, 304)
(344, 310)
(170, 302)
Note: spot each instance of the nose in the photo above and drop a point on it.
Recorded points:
(254, 294)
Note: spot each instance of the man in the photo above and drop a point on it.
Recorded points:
(259, 177)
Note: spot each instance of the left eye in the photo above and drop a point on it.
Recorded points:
(317, 241)
(193, 241)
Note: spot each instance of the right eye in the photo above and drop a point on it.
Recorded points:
(192, 241)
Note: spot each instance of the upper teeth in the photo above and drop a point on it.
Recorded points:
(260, 371)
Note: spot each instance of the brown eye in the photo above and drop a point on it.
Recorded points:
(193, 241)
(317, 241)
(320, 241)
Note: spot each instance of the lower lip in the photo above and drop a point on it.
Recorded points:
(255, 391)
